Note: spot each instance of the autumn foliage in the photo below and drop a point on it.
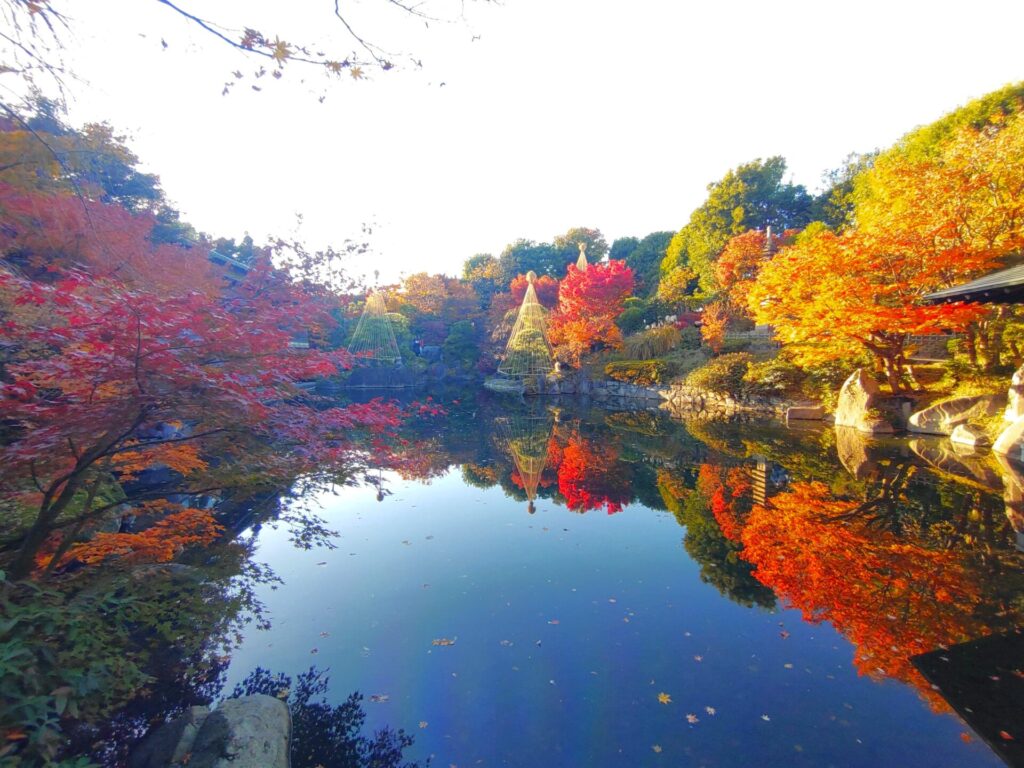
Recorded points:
(892, 598)
(589, 300)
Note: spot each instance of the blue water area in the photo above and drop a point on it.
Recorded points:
(497, 635)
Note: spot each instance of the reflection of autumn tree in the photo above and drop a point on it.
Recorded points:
(718, 556)
(730, 492)
(892, 597)
(591, 475)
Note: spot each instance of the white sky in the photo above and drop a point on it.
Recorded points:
(563, 113)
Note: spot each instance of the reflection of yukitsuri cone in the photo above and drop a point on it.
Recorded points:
(374, 338)
(528, 352)
(526, 441)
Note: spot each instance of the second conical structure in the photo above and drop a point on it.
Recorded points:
(528, 352)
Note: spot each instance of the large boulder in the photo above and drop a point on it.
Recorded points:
(248, 732)
(942, 418)
(859, 402)
(1015, 397)
(1010, 442)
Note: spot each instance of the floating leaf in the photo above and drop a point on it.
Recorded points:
(664, 698)
(691, 719)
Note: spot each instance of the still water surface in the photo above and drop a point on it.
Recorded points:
(541, 586)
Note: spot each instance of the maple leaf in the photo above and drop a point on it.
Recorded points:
(664, 698)
(691, 718)
(280, 51)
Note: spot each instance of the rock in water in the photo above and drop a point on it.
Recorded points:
(858, 405)
(248, 732)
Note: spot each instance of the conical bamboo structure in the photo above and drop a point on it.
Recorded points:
(528, 352)
(374, 338)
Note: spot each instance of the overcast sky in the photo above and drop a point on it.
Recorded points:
(561, 113)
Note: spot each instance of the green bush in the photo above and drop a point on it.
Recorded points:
(460, 347)
(777, 376)
(657, 342)
(723, 374)
(638, 313)
(644, 373)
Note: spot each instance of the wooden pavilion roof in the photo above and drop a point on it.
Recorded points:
(1005, 286)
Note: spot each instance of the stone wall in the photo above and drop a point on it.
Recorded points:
(676, 398)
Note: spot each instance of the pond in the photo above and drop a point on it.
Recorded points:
(556, 584)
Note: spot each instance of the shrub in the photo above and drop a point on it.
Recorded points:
(638, 313)
(689, 337)
(723, 374)
(656, 342)
(776, 376)
(644, 373)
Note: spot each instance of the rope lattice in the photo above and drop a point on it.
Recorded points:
(374, 338)
(528, 352)
(525, 439)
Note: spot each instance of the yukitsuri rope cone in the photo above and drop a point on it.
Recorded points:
(525, 439)
(528, 352)
(374, 338)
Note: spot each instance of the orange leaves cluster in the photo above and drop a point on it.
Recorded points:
(182, 458)
(182, 527)
(890, 597)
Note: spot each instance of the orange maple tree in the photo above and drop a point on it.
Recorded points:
(828, 295)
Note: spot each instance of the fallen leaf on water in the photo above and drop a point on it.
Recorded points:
(698, 658)
(765, 718)
(379, 698)
(691, 719)
(711, 710)
(1005, 736)
(612, 600)
(657, 748)
(506, 643)
(325, 634)
(788, 666)
(314, 650)
(444, 641)
(553, 621)
(783, 634)
(965, 737)
(664, 698)
(423, 723)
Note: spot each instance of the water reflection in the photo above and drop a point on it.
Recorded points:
(900, 546)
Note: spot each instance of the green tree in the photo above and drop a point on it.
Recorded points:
(568, 247)
(645, 261)
(751, 196)
(523, 255)
(622, 247)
